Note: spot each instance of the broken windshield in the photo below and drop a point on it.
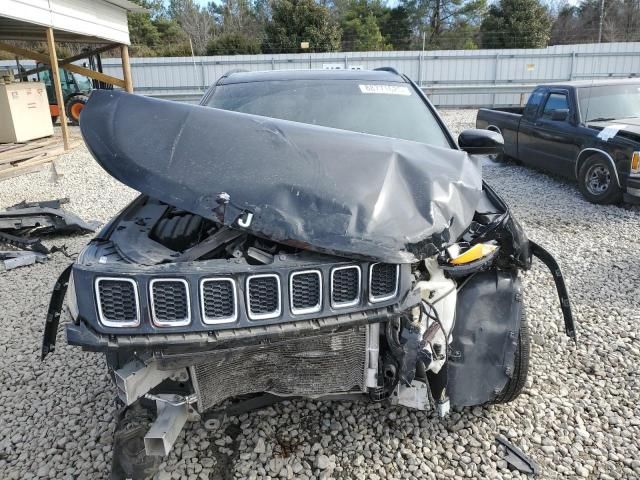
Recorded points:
(388, 109)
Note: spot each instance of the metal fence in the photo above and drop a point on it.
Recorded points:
(452, 78)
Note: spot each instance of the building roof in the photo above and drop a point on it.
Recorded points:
(85, 21)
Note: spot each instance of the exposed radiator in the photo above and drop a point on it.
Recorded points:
(298, 366)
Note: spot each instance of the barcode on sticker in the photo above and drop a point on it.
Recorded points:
(385, 89)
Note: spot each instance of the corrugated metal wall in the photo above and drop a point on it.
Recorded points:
(457, 78)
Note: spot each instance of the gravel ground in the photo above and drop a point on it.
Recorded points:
(578, 416)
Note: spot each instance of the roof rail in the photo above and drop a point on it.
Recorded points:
(229, 73)
(232, 71)
(387, 69)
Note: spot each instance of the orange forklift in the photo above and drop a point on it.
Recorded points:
(75, 88)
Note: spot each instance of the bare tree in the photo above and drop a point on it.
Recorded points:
(197, 22)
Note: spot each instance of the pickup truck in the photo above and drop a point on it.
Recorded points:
(584, 130)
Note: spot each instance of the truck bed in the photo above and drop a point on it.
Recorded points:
(505, 121)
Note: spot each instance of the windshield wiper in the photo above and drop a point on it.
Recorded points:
(601, 119)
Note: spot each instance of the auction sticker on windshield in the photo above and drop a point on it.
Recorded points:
(386, 89)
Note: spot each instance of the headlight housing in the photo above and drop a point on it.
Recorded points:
(635, 164)
(72, 300)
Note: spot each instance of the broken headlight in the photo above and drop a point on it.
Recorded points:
(462, 259)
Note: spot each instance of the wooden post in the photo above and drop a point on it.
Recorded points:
(58, 88)
(126, 68)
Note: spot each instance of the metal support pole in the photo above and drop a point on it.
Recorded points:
(495, 79)
(573, 61)
(420, 66)
(601, 21)
(126, 68)
(53, 58)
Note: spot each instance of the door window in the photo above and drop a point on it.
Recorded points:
(534, 102)
(556, 101)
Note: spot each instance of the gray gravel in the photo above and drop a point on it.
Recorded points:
(578, 416)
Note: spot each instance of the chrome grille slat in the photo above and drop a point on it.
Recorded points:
(117, 301)
(170, 302)
(345, 286)
(264, 296)
(305, 292)
(383, 281)
(218, 300)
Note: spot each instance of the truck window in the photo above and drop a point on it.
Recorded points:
(556, 101)
(534, 102)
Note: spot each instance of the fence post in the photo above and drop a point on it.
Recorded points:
(204, 84)
(421, 60)
(573, 59)
(495, 80)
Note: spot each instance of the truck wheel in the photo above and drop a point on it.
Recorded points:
(597, 181)
(516, 383)
(74, 107)
(497, 157)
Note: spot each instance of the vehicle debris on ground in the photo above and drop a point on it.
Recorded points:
(22, 224)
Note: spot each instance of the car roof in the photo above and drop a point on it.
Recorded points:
(592, 83)
(284, 75)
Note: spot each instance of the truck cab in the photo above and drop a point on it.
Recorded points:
(587, 130)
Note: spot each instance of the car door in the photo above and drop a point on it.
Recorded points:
(554, 143)
(526, 142)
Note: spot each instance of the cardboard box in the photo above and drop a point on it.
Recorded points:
(24, 112)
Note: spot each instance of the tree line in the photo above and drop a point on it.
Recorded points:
(230, 27)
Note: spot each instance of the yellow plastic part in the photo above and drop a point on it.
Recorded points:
(474, 253)
(635, 163)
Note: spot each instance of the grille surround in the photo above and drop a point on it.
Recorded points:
(152, 301)
(263, 316)
(101, 315)
(356, 300)
(217, 320)
(305, 310)
(382, 298)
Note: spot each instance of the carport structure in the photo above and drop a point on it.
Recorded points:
(100, 23)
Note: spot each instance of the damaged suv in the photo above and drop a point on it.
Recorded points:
(299, 234)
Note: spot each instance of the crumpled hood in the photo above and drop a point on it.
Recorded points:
(324, 189)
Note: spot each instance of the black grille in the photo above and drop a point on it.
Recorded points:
(218, 299)
(117, 301)
(384, 279)
(264, 296)
(305, 291)
(345, 286)
(170, 301)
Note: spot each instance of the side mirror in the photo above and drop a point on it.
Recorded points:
(560, 115)
(475, 141)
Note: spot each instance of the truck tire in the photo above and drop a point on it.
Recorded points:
(516, 383)
(74, 107)
(597, 181)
